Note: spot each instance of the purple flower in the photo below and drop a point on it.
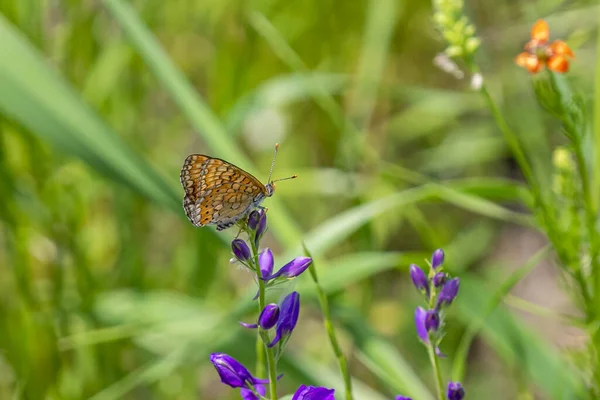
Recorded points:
(400, 397)
(288, 317)
(313, 393)
(265, 261)
(247, 394)
(240, 249)
(437, 258)
(253, 219)
(426, 321)
(448, 293)
(292, 269)
(455, 391)
(439, 279)
(267, 319)
(232, 372)
(419, 279)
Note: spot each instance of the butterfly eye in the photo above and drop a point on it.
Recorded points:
(270, 189)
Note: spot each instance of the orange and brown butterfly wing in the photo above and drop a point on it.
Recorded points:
(217, 192)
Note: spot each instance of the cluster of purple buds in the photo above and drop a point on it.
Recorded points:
(439, 291)
(282, 317)
(256, 227)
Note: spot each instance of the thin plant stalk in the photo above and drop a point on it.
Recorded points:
(271, 365)
(329, 327)
(433, 358)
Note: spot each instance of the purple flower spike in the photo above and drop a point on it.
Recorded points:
(288, 317)
(292, 269)
(313, 393)
(437, 258)
(253, 219)
(240, 250)
(232, 372)
(439, 279)
(399, 397)
(419, 279)
(269, 316)
(247, 394)
(448, 293)
(265, 261)
(455, 391)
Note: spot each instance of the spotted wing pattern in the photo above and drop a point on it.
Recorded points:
(217, 192)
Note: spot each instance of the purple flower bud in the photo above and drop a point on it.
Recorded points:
(269, 316)
(247, 394)
(432, 321)
(267, 319)
(448, 293)
(253, 219)
(426, 321)
(265, 261)
(419, 279)
(437, 258)
(261, 227)
(292, 269)
(399, 397)
(240, 249)
(455, 391)
(439, 279)
(288, 317)
(420, 317)
(313, 393)
(232, 372)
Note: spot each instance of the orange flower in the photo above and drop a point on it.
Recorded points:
(538, 52)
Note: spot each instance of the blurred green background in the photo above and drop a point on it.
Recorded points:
(108, 292)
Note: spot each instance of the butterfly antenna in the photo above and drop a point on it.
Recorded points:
(285, 179)
(273, 162)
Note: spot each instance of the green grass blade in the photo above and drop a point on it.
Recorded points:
(460, 357)
(596, 127)
(32, 94)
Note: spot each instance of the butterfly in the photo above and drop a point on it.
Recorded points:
(220, 193)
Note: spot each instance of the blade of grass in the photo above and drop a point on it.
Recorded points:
(460, 357)
(380, 23)
(596, 133)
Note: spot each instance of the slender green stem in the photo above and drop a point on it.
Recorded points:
(260, 357)
(327, 321)
(264, 338)
(433, 358)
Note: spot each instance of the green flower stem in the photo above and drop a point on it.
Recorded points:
(260, 357)
(271, 365)
(327, 321)
(433, 358)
